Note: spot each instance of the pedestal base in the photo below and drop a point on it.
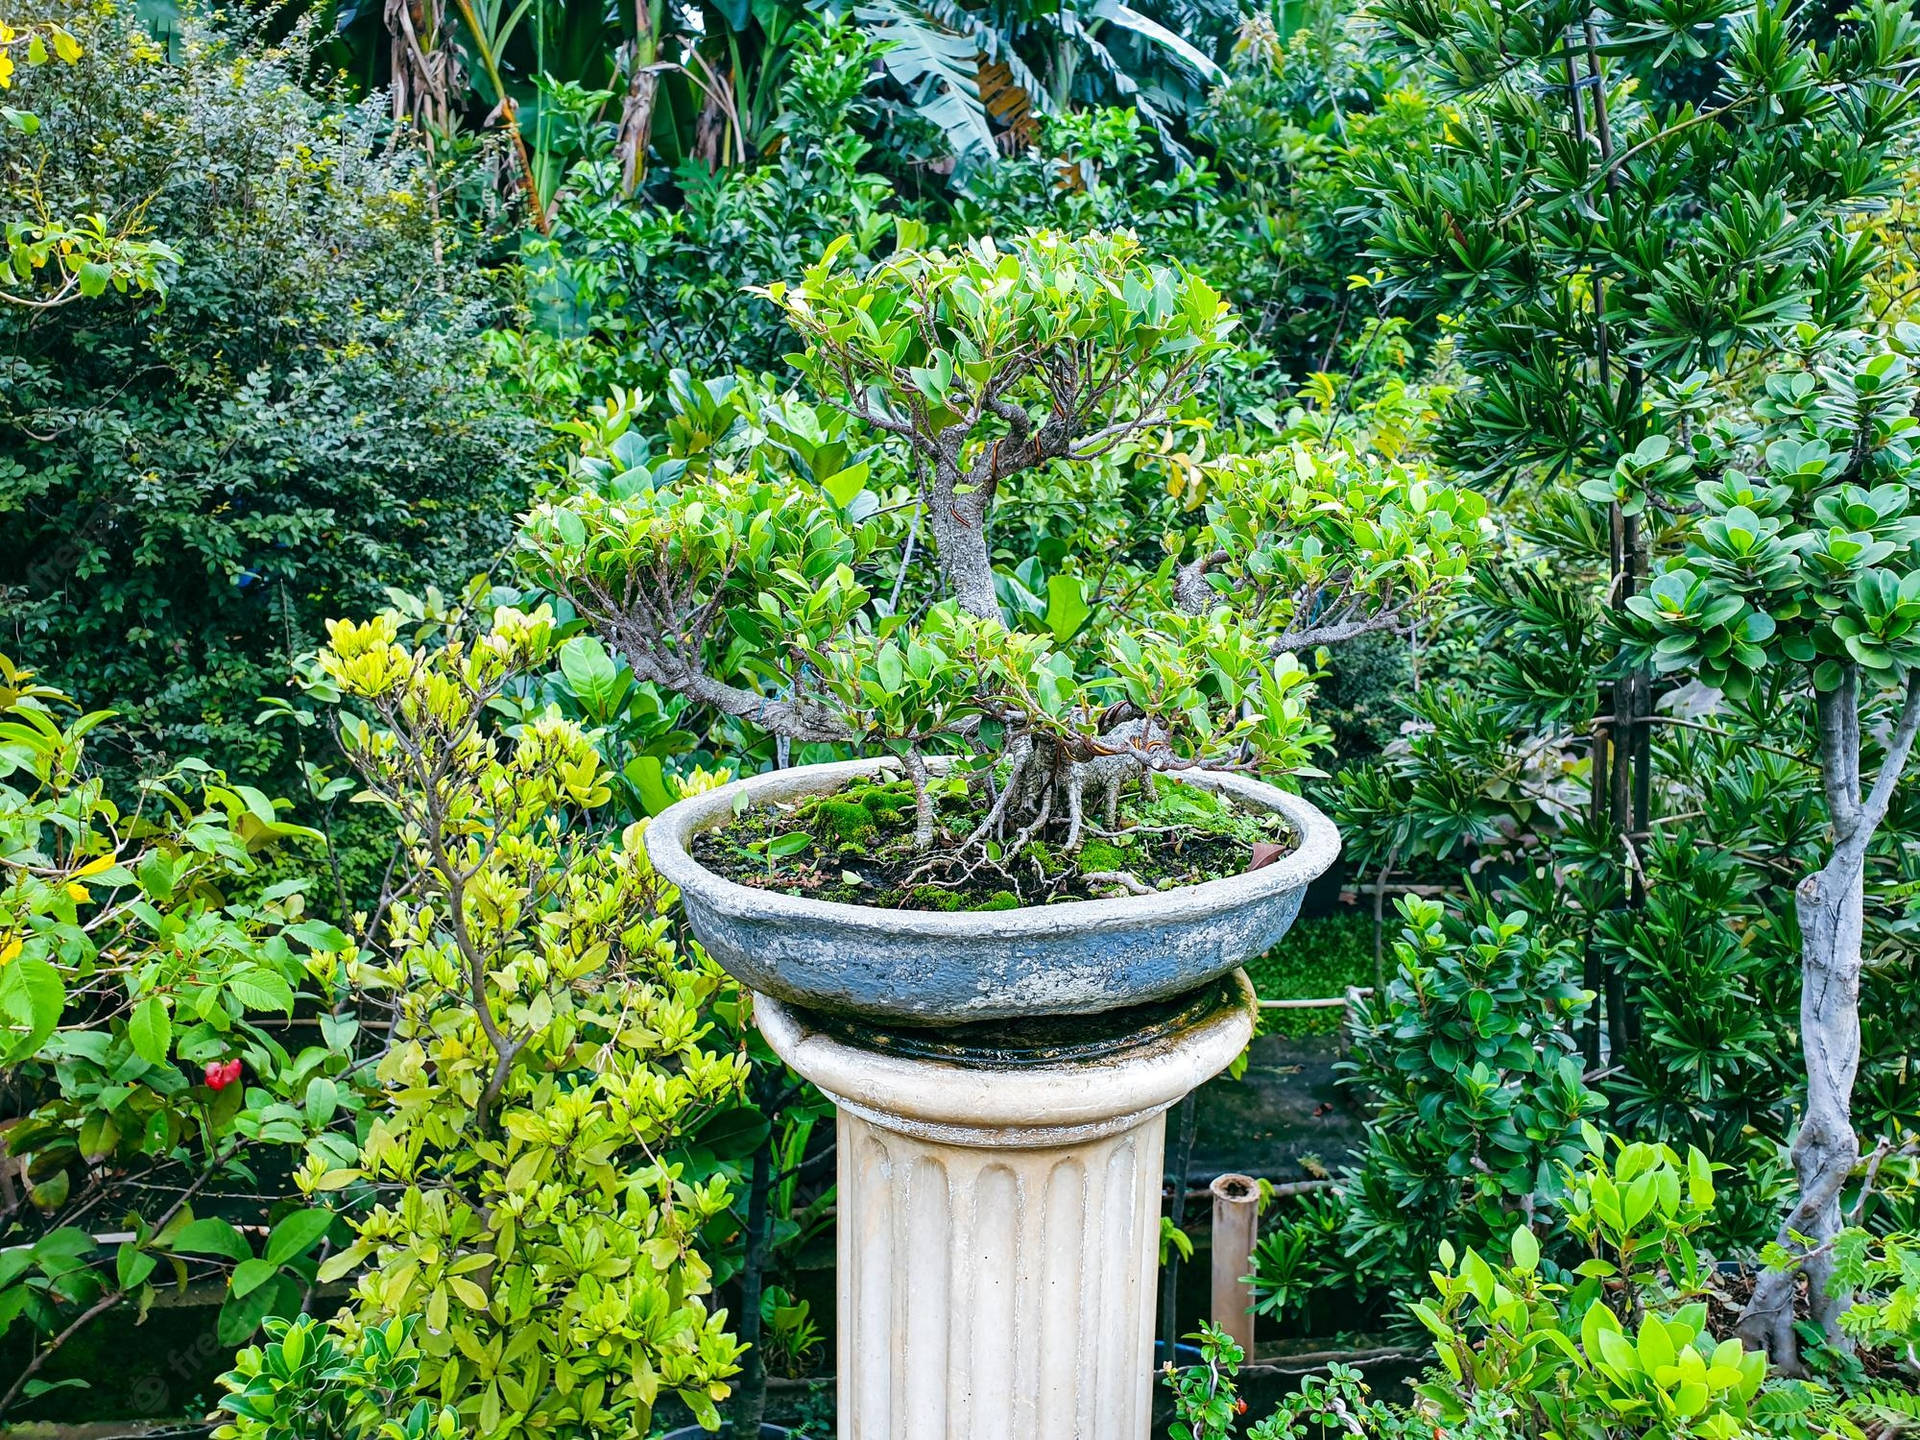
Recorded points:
(999, 1215)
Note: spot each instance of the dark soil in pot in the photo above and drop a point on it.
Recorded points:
(855, 846)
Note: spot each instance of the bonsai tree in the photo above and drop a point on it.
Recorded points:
(785, 583)
(1803, 553)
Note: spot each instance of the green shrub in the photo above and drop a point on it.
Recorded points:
(549, 1059)
(304, 1384)
(1611, 1341)
(148, 979)
(189, 487)
(1476, 1100)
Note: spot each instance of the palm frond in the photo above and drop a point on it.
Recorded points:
(994, 42)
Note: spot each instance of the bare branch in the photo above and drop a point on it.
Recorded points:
(1314, 635)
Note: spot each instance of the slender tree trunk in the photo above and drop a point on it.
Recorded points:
(1830, 904)
(1380, 920)
(960, 540)
(643, 88)
(916, 767)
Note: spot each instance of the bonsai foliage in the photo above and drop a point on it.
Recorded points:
(547, 1054)
(756, 581)
(148, 975)
(1803, 550)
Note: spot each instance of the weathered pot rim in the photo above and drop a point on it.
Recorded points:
(671, 833)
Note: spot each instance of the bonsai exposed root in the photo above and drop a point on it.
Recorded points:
(1035, 826)
(1106, 773)
(922, 801)
(1125, 879)
(1020, 757)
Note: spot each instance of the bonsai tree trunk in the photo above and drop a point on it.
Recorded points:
(958, 516)
(1830, 904)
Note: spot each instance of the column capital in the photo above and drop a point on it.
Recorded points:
(1127, 1067)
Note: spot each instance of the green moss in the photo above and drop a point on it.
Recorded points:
(862, 814)
(932, 897)
(1193, 808)
(894, 794)
(1102, 855)
(843, 821)
(1000, 900)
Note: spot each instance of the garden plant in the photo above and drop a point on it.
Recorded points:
(977, 377)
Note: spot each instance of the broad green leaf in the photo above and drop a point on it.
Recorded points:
(297, 1234)
(1067, 608)
(32, 997)
(211, 1235)
(261, 989)
(150, 1030)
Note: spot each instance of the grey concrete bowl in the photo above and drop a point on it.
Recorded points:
(912, 967)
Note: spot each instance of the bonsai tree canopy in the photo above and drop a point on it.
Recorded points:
(756, 581)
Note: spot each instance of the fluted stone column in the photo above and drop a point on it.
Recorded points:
(999, 1216)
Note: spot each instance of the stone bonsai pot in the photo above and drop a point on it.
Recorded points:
(911, 967)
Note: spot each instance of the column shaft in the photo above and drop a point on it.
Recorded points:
(997, 1294)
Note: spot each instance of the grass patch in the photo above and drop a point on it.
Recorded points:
(1315, 959)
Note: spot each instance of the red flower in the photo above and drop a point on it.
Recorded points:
(222, 1073)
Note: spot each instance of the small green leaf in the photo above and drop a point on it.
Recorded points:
(250, 1275)
(1526, 1250)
